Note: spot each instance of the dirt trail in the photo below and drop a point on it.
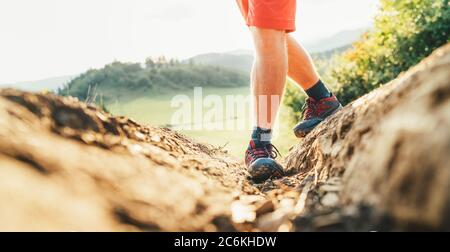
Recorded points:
(380, 164)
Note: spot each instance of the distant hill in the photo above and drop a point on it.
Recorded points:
(50, 84)
(129, 80)
(339, 40)
(240, 60)
(326, 55)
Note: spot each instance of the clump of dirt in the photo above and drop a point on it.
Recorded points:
(379, 164)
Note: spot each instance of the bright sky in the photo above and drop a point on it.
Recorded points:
(46, 38)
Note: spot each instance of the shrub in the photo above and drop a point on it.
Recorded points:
(405, 32)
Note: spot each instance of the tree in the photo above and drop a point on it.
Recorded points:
(149, 63)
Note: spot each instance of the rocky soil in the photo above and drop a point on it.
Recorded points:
(382, 163)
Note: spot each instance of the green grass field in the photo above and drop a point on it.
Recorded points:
(157, 111)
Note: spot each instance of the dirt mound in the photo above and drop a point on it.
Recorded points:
(382, 163)
(387, 155)
(68, 166)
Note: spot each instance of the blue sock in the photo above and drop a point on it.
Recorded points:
(318, 91)
(262, 135)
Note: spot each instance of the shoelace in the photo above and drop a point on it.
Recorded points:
(308, 109)
(274, 152)
(268, 151)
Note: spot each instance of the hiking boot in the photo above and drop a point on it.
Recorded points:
(315, 112)
(260, 161)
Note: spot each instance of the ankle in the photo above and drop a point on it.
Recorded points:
(319, 91)
(262, 135)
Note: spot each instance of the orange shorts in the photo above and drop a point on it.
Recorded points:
(269, 14)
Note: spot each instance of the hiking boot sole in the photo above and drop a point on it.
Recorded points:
(303, 132)
(265, 168)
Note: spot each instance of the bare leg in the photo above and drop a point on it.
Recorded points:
(301, 67)
(269, 74)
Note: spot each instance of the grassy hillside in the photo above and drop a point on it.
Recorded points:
(234, 141)
(118, 81)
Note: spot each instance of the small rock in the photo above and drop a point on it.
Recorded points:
(156, 139)
(287, 204)
(139, 136)
(88, 138)
(242, 213)
(111, 140)
(330, 200)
